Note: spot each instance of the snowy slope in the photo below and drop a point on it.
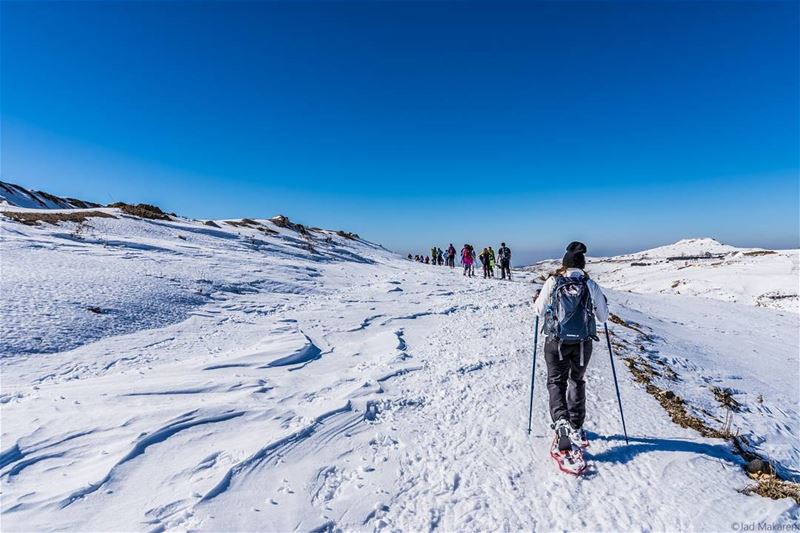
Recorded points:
(18, 196)
(706, 268)
(236, 380)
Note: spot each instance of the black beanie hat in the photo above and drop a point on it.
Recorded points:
(574, 257)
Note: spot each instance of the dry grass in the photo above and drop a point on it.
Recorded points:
(211, 223)
(724, 397)
(33, 219)
(251, 224)
(768, 482)
(643, 372)
(243, 223)
(81, 204)
(769, 486)
(757, 253)
(147, 211)
(347, 235)
(633, 326)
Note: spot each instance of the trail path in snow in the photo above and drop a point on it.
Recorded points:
(396, 402)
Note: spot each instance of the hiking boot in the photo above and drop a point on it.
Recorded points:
(578, 437)
(563, 430)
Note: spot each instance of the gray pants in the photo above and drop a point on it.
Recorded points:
(505, 268)
(567, 402)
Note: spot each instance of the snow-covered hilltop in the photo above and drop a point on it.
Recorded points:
(17, 196)
(706, 268)
(160, 373)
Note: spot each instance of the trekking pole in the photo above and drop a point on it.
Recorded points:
(533, 371)
(616, 385)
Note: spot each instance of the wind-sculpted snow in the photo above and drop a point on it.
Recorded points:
(159, 435)
(113, 276)
(301, 392)
(309, 352)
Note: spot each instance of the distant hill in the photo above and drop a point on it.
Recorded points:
(701, 267)
(18, 196)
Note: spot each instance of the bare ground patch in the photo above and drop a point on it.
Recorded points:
(251, 224)
(142, 211)
(756, 253)
(35, 218)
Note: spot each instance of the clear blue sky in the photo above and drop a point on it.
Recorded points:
(621, 124)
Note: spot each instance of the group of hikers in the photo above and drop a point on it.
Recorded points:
(569, 302)
(469, 259)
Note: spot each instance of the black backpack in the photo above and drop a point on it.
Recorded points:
(570, 317)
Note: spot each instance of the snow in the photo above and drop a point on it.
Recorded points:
(705, 268)
(235, 380)
(17, 196)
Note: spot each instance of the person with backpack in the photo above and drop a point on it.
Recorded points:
(451, 256)
(467, 260)
(569, 301)
(505, 261)
(434, 255)
(474, 259)
(440, 256)
(491, 262)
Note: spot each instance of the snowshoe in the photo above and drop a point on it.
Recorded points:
(570, 461)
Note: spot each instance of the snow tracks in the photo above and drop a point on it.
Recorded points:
(394, 400)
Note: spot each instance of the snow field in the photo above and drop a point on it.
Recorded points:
(379, 395)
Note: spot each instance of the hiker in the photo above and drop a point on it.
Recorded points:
(505, 261)
(569, 301)
(474, 259)
(410, 258)
(440, 255)
(434, 255)
(451, 256)
(485, 261)
(491, 262)
(427, 260)
(467, 260)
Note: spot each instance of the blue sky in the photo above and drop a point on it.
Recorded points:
(622, 124)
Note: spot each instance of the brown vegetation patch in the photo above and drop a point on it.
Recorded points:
(347, 235)
(211, 223)
(769, 486)
(768, 482)
(251, 224)
(147, 211)
(33, 219)
(674, 405)
(626, 324)
(80, 204)
(724, 397)
(756, 253)
(244, 223)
